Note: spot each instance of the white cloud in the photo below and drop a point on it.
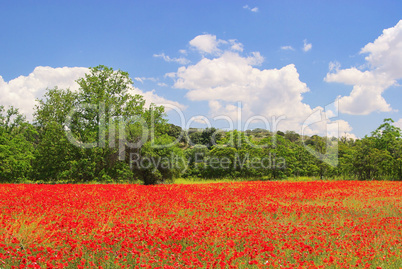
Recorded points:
(254, 9)
(152, 97)
(385, 68)
(206, 43)
(398, 123)
(201, 119)
(334, 66)
(307, 46)
(180, 60)
(142, 79)
(344, 129)
(385, 53)
(162, 84)
(22, 91)
(334, 128)
(287, 48)
(229, 78)
(170, 75)
(236, 46)
(366, 94)
(209, 44)
(255, 59)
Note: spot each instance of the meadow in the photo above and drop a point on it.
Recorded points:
(260, 224)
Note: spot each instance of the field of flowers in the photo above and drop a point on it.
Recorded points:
(340, 224)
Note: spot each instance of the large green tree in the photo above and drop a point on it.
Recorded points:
(91, 134)
(17, 138)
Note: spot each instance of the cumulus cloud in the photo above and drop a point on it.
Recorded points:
(166, 58)
(385, 68)
(22, 91)
(367, 89)
(343, 128)
(385, 53)
(206, 43)
(209, 44)
(230, 80)
(254, 9)
(307, 46)
(151, 97)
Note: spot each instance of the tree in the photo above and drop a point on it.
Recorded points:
(221, 162)
(386, 135)
(388, 138)
(370, 162)
(55, 157)
(207, 137)
(110, 117)
(176, 132)
(397, 160)
(157, 162)
(346, 155)
(17, 138)
(94, 131)
(292, 136)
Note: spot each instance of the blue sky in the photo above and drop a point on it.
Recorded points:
(278, 60)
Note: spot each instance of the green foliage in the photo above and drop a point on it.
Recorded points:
(207, 137)
(370, 162)
(386, 135)
(292, 136)
(176, 132)
(158, 163)
(16, 146)
(90, 134)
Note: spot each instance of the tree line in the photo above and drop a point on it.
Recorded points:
(103, 132)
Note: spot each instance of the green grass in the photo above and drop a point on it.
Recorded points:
(176, 181)
(224, 180)
(201, 181)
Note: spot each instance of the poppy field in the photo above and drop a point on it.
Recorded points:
(318, 224)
